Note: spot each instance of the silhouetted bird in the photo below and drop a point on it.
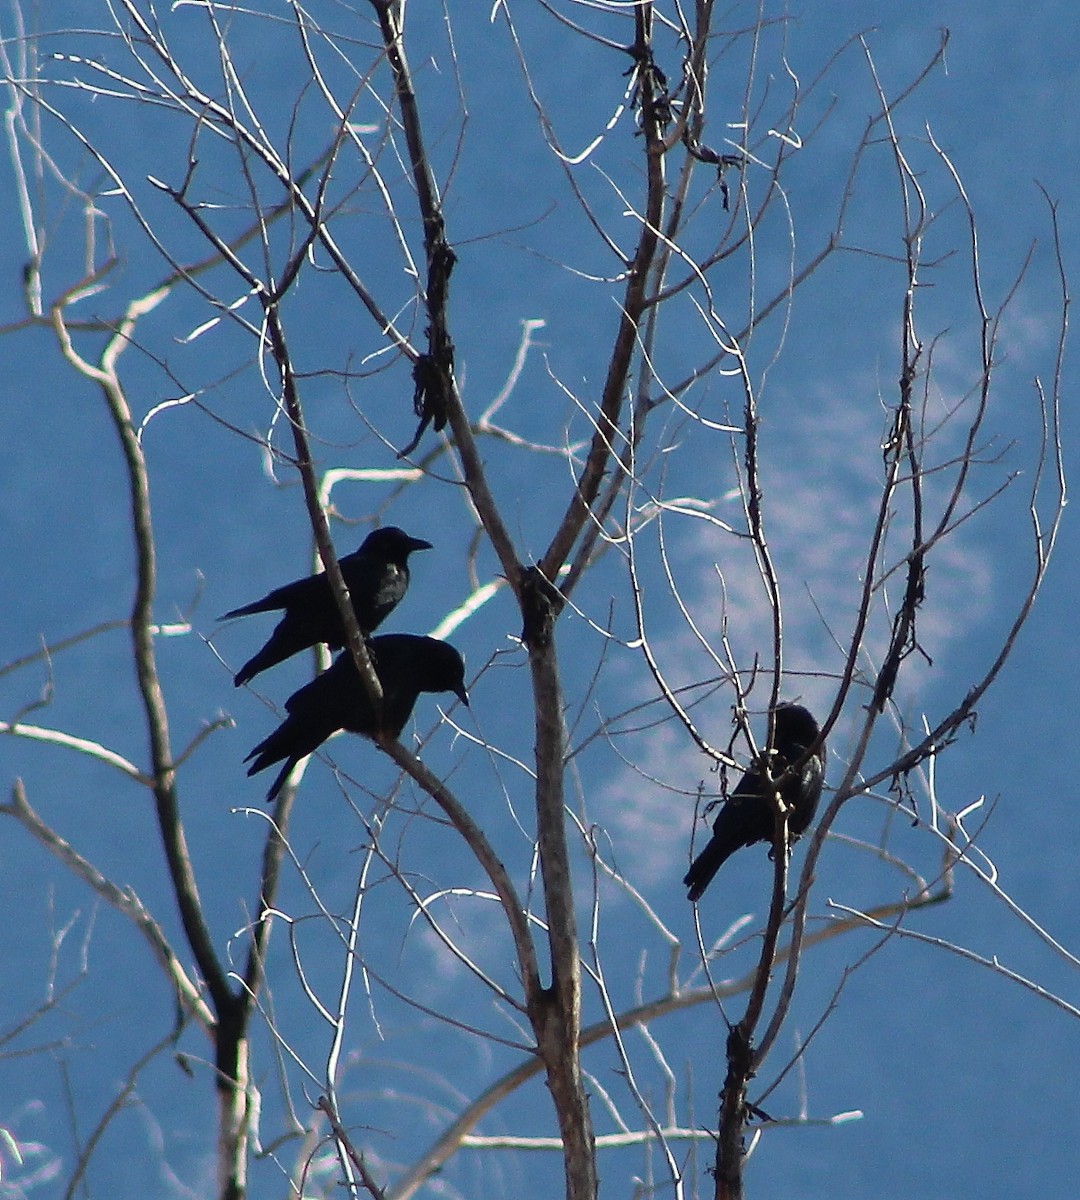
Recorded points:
(748, 815)
(406, 666)
(376, 575)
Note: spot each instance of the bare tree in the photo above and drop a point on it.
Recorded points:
(276, 207)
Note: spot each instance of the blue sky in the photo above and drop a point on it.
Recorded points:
(943, 1057)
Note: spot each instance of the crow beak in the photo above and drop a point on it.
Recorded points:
(462, 695)
(419, 544)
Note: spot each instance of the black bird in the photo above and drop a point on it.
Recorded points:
(406, 666)
(748, 815)
(376, 575)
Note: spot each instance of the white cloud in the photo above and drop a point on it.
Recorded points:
(822, 473)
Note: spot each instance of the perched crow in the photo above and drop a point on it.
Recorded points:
(406, 666)
(376, 575)
(748, 815)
